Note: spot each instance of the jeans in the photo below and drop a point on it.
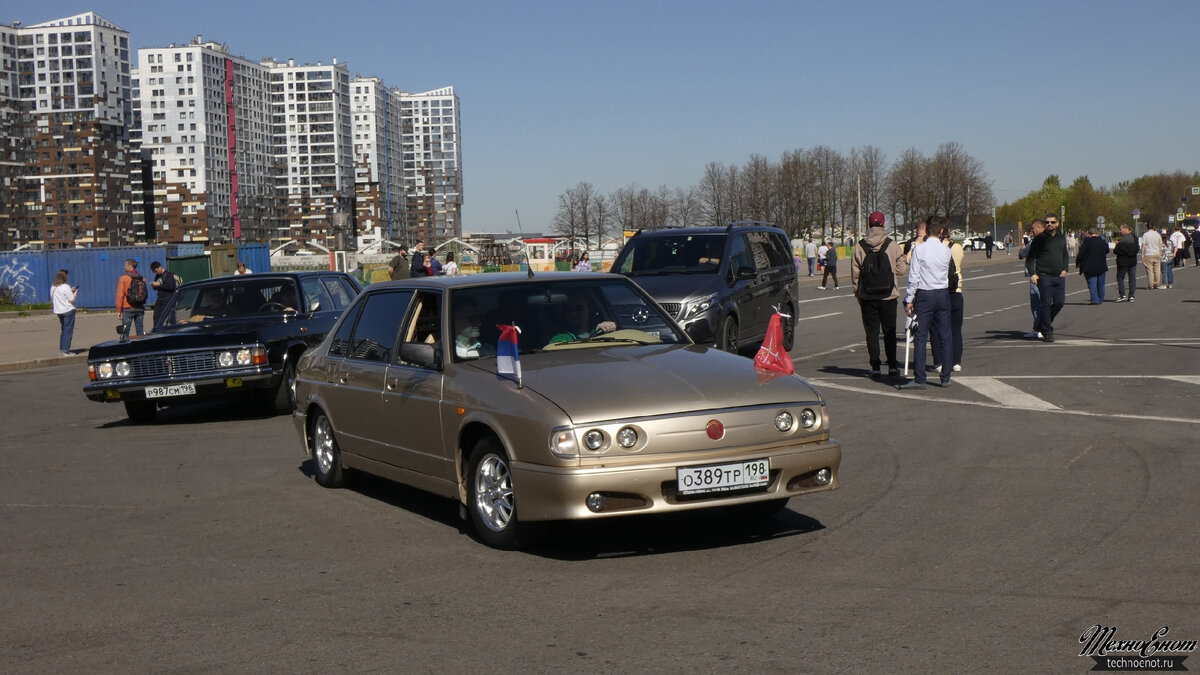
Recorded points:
(932, 309)
(812, 266)
(133, 316)
(1035, 306)
(1124, 271)
(67, 322)
(880, 315)
(1153, 265)
(1054, 295)
(1168, 272)
(1096, 287)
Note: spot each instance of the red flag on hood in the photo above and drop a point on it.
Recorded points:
(771, 355)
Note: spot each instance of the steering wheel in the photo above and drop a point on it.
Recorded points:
(273, 305)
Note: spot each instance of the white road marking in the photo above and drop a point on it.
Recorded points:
(1186, 379)
(1006, 395)
(819, 316)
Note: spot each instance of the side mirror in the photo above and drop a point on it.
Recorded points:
(421, 354)
(701, 332)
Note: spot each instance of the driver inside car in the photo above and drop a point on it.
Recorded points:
(213, 307)
(286, 298)
(577, 315)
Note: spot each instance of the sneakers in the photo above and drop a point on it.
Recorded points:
(893, 372)
(911, 384)
(875, 374)
(1122, 299)
(1129, 299)
(64, 353)
(937, 368)
(957, 368)
(820, 288)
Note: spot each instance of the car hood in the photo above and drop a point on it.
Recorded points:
(678, 287)
(593, 384)
(184, 337)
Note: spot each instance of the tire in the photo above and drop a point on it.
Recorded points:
(789, 328)
(491, 499)
(141, 412)
(728, 341)
(327, 457)
(284, 400)
(758, 510)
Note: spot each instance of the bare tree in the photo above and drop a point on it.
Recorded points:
(830, 173)
(908, 188)
(686, 209)
(758, 188)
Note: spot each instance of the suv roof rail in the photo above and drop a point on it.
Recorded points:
(749, 222)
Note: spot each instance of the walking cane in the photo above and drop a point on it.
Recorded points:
(910, 324)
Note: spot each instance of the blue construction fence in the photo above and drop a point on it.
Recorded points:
(28, 275)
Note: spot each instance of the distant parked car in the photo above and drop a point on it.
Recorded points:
(980, 244)
(234, 335)
(602, 406)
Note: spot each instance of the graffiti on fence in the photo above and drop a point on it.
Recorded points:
(16, 277)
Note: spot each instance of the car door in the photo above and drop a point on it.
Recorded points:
(744, 293)
(411, 407)
(356, 404)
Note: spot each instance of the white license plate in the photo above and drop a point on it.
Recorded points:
(723, 477)
(184, 389)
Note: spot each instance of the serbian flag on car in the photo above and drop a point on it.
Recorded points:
(771, 355)
(508, 355)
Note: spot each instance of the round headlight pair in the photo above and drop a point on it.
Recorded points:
(595, 439)
(784, 421)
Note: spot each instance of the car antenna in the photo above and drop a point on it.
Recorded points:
(528, 267)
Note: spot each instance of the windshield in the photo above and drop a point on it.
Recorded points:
(235, 298)
(558, 314)
(672, 254)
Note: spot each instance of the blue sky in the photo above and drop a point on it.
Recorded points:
(618, 93)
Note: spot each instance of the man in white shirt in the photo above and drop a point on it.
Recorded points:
(1152, 248)
(810, 252)
(1178, 238)
(928, 298)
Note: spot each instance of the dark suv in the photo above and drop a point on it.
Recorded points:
(722, 284)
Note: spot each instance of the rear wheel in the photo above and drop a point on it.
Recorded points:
(141, 412)
(729, 334)
(327, 457)
(491, 499)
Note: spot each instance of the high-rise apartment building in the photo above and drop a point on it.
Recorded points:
(204, 128)
(64, 145)
(379, 202)
(311, 138)
(432, 164)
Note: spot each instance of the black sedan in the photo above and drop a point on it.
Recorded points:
(235, 335)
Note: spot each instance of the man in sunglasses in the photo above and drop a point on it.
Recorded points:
(1048, 266)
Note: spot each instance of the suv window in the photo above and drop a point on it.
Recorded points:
(739, 256)
(767, 250)
(683, 253)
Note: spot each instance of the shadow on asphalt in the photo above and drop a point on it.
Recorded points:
(626, 536)
(202, 412)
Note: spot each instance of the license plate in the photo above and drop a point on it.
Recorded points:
(184, 389)
(723, 477)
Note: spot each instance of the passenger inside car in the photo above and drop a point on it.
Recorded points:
(579, 320)
(467, 344)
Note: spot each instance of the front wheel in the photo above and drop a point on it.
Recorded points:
(729, 334)
(491, 499)
(141, 412)
(789, 328)
(284, 400)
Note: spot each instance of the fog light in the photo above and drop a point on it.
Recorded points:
(594, 440)
(627, 437)
(822, 477)
(225, 359)
(123, 369)
(808, 418)
(596, 502)
(784, 421)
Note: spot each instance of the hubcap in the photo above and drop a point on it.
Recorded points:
(323, 445)
(493, 493)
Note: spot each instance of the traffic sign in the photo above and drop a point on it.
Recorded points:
(1099, 220)
(1170, 219)
(1136, 213)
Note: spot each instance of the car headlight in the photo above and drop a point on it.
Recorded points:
(105, 370)
(562, 443)
(808, 418)
(122, 369)
(697, 307)
(225, 359)
(593, 440)
(784, 421)
(627, 437)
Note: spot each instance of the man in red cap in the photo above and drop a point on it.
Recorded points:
(876, 263)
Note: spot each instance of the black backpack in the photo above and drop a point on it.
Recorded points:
(136, 295)
(875, 274)
(953, 277)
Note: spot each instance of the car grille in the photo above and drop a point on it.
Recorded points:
(672, 308)
(177, 364)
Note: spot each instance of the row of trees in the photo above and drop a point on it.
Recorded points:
(808, 192)
(1155, 197)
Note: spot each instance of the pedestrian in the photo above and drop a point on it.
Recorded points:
(1196, 246)
(450, 269)
(810, 252)
(1179, 242)
(1035, 297)
(1152, 250)
(418, 259)
(1047, 264)
(584, 264)
(928, 299)
(433, 267)
(1008, 243)
(1126, 251)
(956, 306)
(830, 266)
(989, 243)
(241, 268)
(1167, 267)
(877, 291)
(131, 299)
(62, 301)
(1092, 263)
(398, 266)
(165, 284)
(821, 256)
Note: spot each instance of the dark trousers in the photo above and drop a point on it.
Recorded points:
(1053, 290)
(160, 304)
(1122, 273)
(880, 315)
(933, 315)
(956, 340)
(830, 270)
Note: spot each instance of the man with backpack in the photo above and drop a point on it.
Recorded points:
(131, 299)
(876, 263)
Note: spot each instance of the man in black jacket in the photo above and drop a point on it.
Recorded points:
(1047, 265)
(164, 283)
(1126, 251)
(1092, 263)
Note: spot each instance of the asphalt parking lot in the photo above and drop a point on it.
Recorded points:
(981, 528)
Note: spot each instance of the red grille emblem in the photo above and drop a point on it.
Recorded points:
(715, 430)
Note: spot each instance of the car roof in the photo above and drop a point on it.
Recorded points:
(491, 278)
(741, 226)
